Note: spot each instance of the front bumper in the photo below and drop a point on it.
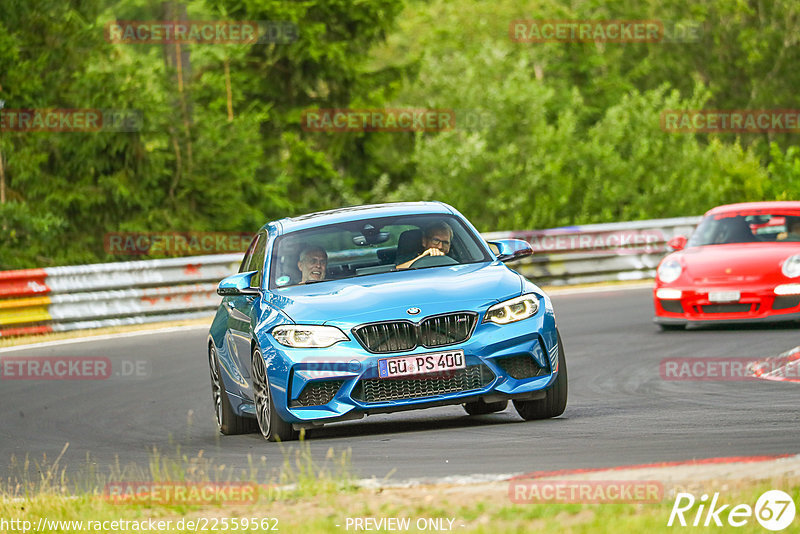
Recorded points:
(317, 386)
(755, 305)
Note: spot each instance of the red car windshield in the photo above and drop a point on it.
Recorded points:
(744, 227)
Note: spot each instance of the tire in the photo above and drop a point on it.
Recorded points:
(272, 427)
(671, 327)
(482, 408)
(228, 422)
(555, 400)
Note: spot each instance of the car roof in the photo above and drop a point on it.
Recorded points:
(745, 206)
(321, 218)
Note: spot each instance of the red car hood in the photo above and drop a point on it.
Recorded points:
(741, 262)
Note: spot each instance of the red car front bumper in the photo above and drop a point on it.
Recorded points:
(754, 305)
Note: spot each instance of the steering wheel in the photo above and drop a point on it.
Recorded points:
(432, 261)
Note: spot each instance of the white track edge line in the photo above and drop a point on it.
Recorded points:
(104, 337)
(600, 289)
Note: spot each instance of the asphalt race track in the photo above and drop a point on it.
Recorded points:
(620, 410)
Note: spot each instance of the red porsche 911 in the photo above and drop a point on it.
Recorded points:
(741, 264)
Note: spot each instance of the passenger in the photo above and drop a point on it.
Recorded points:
(436, 241)
(313, 264)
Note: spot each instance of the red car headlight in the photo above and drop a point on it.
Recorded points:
(669, 271)
(791, 266)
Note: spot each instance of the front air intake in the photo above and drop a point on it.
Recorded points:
(431, 332)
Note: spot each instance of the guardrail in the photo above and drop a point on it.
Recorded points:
(597, 252)
(58, 299)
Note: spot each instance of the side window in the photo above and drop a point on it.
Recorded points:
(257, 261)
(244, 267)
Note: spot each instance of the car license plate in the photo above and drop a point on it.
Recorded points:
(724, 296)
(421, 364)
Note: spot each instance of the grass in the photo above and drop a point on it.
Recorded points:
(310, 496)
(42, 489)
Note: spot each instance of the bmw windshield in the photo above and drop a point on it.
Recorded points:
(372, 246)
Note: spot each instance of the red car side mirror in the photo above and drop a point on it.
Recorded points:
(677, 243)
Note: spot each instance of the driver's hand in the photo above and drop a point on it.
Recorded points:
(429, 252)
(432, 252)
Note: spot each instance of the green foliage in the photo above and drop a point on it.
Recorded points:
(570, 132)
(784, 171)
(531, 163)
(220, 148)
(547, 134)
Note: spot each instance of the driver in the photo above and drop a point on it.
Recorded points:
(313, 263)
(435, 240)
(792, 232)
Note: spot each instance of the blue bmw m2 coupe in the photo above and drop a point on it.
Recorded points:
(375, 309)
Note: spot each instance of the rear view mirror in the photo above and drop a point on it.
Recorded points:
(510, 249)
(371, 236)
(677, 243)
(237, 284)
(381, 237)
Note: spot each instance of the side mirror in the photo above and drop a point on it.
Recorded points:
(510, 249)
(677, 243)
(237, 284)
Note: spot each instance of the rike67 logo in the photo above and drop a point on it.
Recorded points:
(774, 510)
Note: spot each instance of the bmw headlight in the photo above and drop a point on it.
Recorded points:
(791, 266)
(669, 271)
(513, 310)
(308, 336)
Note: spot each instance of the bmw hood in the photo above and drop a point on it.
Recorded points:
(391, 295)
